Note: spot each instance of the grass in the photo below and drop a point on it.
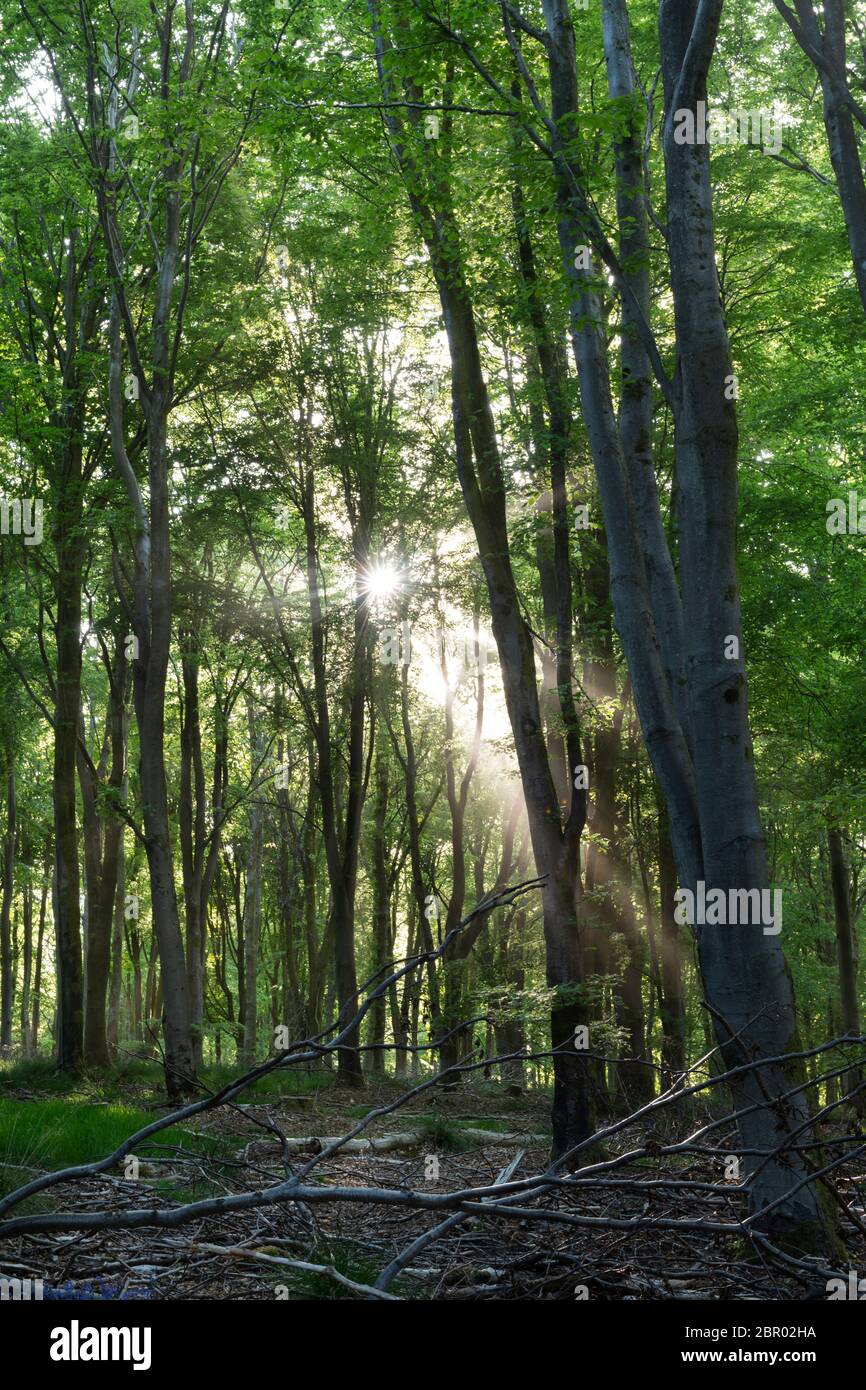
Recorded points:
(290, 1082)
(343, 1257)
(494, 1126)
(51, 1134)
(35, 1074)
(359, 1112)
(40, 1074)
(443, 1134)
(82, 1118)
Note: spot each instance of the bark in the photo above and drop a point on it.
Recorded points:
(402, 1010)
(149, 1020)
(27, 962)
(252, 895)
(383, 1143)
(116, 981)
(32, 1041)
(846, 945)
(57, 337)
(67, 918)
(192, 834)
(341, 855)
(381, 909)
(672, 1002)
(427, 910)
(317, 952)
(635, 415)
(509, 1033)
(133, 942)
(102, 838)
(7, 973)
(744, 971)
(452, 968)
(290, 876)
(151, 599)
(711, 796)
(480, 474)
(551, 438)
(611, 924)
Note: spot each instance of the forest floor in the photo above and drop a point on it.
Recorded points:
(47, 1124)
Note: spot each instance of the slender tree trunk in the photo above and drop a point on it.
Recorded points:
(341, 859)
(252, 899)
(479, 471)
(152, 585)
(134, 944)
(846, 947)
(27, 964)
(7, 973)
(453, 969)
(192, 835)
(149, 1019)
(102, 855)
(427, 907)
(381, 910)
(32, 1041)
(67, 703)
(116, 983)
(672, 1004)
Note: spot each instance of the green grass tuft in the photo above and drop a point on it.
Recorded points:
(443, 1134)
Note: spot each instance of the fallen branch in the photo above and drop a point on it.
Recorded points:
(385, 1143)
(238, 1253)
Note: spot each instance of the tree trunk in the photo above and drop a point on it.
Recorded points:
(711, 796)
(32, 1041)
(116, 983)
(744, 971)
(252, 898)
(102, 852)
(381, 910)
(192, 835)
(846, 947)
(480, 474)
(672, 1003)
(27, 970)
(67, 703)
(7, 973)
(341, 859)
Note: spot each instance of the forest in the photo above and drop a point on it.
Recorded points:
(432, 515)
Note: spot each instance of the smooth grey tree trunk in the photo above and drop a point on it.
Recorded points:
(709, 783)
